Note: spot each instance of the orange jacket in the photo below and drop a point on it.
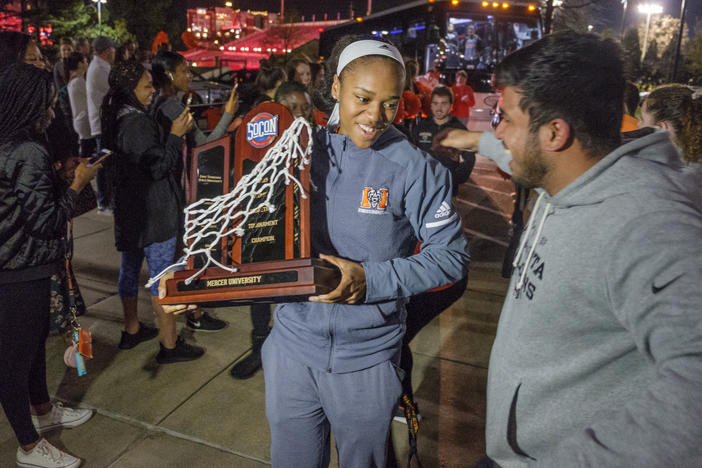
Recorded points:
(463, 100)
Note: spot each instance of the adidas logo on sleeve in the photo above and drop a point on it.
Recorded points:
(445, 211)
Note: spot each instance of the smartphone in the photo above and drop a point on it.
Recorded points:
(99, 157)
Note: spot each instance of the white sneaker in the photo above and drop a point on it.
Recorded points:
(45, 455)
(60, 417)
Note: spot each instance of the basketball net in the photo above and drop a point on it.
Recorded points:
(210, 220)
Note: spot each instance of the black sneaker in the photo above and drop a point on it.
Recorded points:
(181, 353)
(250, 364)
(205, 323)
(145, 333)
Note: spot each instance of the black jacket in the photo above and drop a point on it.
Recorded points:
(34, 212)
(423, 136)
(148, 199)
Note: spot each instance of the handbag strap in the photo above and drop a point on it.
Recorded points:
(73, 319)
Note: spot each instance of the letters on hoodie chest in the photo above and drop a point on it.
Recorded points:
(535, 267)
(567, 265)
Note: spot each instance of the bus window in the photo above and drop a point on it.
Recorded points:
(513, 36)
(479, 42)
(469, 42)
(416, 29)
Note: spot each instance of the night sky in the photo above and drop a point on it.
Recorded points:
(331, 7)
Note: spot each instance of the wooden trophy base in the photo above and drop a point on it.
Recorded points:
(261, 282)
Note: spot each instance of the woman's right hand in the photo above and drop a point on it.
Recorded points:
(83, 175)
(182, 124)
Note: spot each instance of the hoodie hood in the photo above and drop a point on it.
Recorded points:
(594, 186)
(616, 174)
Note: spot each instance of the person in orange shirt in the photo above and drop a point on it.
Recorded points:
(463, 98)
(410, 105)
(631, 102)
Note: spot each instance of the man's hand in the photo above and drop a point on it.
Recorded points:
(455, 138)
(173, 308)
(352, 287)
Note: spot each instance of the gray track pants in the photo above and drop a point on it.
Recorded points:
(303, 404)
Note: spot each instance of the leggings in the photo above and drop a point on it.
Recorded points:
(24, 326)
(159, 256)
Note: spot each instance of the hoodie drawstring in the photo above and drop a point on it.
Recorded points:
(526, 233)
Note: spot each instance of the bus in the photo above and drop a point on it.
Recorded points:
(445, 36)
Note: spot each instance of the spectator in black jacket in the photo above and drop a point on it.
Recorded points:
(148, 200)
(35, 212)
(17, 47)
(460, 164)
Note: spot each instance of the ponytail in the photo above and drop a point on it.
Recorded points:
(691, 132)
(674, 103)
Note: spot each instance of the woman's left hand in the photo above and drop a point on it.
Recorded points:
(232, 103)
(352, 287)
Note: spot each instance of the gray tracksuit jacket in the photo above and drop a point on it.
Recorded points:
(372, 206)
(598, 355)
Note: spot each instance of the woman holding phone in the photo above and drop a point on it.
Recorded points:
(172, 77)
(35, 210)
(148, 200)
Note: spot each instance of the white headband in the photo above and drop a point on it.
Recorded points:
(361, 49)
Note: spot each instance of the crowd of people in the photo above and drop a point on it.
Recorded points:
(598, 354)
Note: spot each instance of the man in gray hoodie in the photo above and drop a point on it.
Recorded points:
(598, 354)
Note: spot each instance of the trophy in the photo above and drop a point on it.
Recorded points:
(247, 229)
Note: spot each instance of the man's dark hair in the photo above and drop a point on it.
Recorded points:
(442, 91)
(572, 76)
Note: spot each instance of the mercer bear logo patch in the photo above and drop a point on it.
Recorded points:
(374, 201)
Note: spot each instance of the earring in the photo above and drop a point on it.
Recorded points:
(170, 75)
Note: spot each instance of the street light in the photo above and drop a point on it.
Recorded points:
(648, 9)
(99, 2)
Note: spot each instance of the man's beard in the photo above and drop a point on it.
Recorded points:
(534, 167)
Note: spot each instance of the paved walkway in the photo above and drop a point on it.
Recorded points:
(195, 415)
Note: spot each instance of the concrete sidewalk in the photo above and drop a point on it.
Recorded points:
(195, 415)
